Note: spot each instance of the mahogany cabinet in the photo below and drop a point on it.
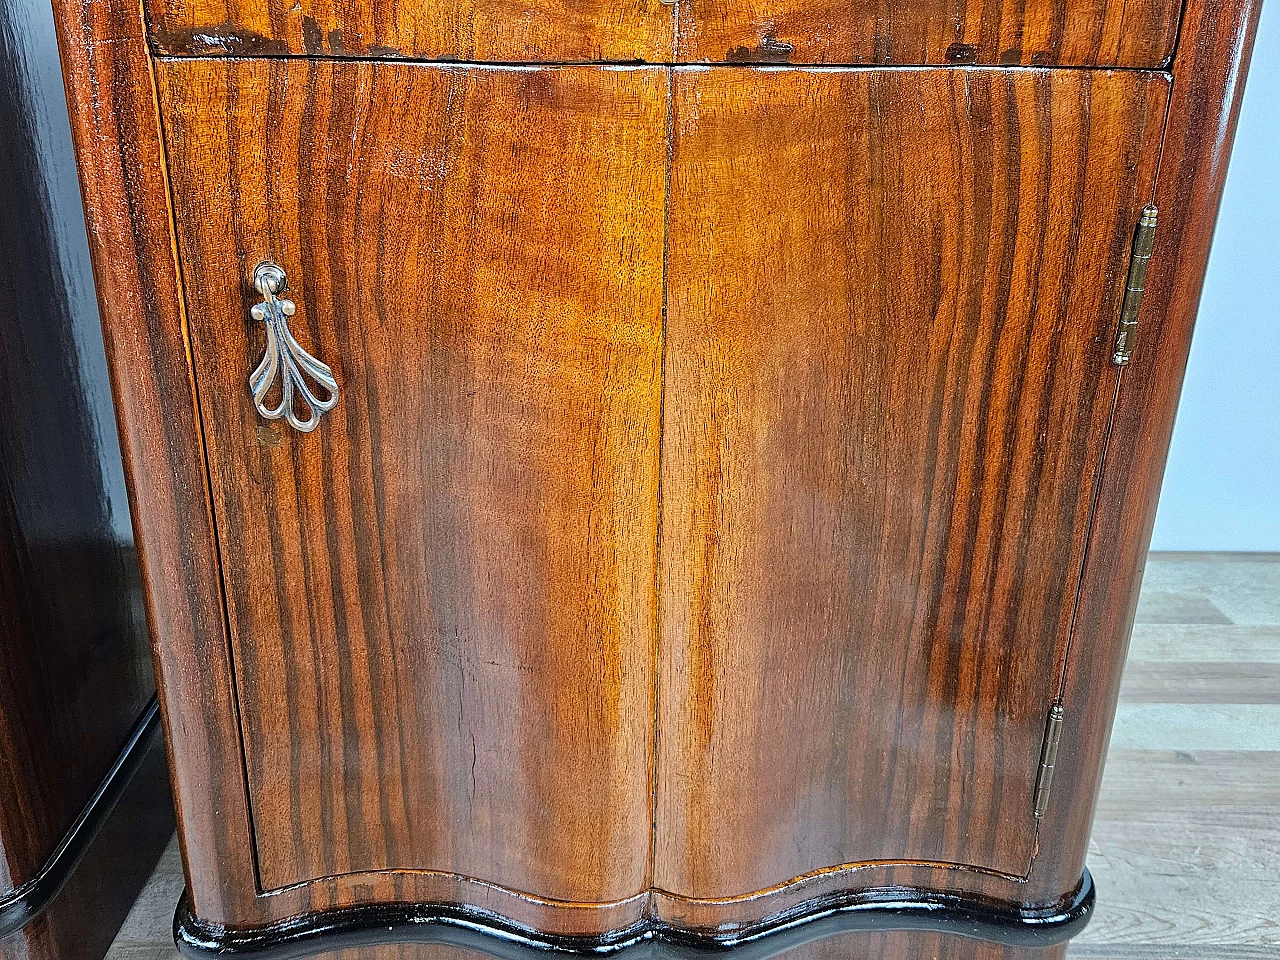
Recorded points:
(639, 476)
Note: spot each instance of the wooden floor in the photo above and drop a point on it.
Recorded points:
(1186, 846)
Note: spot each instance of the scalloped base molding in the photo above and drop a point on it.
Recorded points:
(881, 910)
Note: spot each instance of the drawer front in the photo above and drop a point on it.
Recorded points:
(1084, 33)
(1135, 33)
(441, 601)
(891, 302)
(524, 31)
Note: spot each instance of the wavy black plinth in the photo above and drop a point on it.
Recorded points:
(880, 911)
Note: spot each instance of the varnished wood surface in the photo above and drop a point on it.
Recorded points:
(887, 388)
(480, 30)
(75, 668)
(142, 939)
(1208, 81)
(1184, 850)
(75, 672)
(442, 603)
(216, 283)
(1135, 33)
(1036, 32)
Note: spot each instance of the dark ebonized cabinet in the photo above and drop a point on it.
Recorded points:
(84, 798)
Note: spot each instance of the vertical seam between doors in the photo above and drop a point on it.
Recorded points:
(658, 535)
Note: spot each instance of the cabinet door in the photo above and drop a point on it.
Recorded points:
(892, 300)
(441, 602)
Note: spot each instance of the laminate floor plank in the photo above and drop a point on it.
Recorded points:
(1186, 643)
(1186, 840)
(147, 933)
(1244, 587)
(1151, 951)
(1168, 606)
(1206, 786)
(1197, 726)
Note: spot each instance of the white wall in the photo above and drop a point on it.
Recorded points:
(1222, 488)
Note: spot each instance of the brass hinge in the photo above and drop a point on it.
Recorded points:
(1048, 757)
(1144, 237)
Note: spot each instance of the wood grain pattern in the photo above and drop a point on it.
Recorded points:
(113, 112)
(1175, 831)
(1137, 33)
(1208, 81)
(888, 385)
(75, 669)
(529, 31)
(442, 602)
(1036, 32)
(900, 945)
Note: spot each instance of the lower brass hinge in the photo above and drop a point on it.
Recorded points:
(1048, 757)
(1144, 238)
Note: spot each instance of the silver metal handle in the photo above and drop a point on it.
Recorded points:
(286, 357)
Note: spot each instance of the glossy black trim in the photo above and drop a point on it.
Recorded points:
(881, 910)
(23, 904)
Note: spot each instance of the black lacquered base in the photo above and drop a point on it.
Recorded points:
(883, 910)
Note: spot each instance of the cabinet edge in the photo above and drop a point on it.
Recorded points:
(1208, 72)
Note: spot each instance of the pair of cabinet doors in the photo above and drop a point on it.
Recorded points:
(707, 496)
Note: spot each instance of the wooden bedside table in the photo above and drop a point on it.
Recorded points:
(629, 474)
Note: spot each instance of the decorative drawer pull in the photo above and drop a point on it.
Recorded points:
(285, 356)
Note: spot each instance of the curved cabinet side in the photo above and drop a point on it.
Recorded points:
(115, 130)
(149, 828)
(1209, 70)
(75, 673)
